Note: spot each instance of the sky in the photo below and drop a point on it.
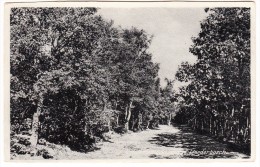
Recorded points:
(172, 29)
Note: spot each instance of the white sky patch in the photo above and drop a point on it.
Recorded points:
(172, 29)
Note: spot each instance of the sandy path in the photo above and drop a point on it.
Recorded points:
(135, 145)
(167, 142)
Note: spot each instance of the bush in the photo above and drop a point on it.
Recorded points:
(45, 154)
(120, 130)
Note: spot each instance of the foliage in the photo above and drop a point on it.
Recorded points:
(217, 99)
(76, 76)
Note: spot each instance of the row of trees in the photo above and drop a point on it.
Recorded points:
(74, 76)
(217, 99)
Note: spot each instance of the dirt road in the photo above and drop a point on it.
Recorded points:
(167, 142)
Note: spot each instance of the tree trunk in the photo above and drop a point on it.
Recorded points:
(109, 121)
(195, 124)
(214, 127)
(128, 115)
(108, 124)
(117, 119)
(139, 122)
(170, 117)
(247, 121)
(105, 106)
(85, 119)
(148, 123)
(76, 107)
(202, 125)
(223, 127)
(210, 126)
(134, 123)
(35, 126)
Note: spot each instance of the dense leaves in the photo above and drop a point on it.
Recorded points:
(217, 99)
(77, 76)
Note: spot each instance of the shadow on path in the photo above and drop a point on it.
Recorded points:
(194, 145)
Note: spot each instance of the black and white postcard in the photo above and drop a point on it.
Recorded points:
(130, 80)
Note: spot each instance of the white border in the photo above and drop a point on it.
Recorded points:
(104, 4)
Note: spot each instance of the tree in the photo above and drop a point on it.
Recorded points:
(51, 52)
(73, 71)
(218, 96)
(137, 71)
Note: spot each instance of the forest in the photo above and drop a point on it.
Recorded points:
(75, 76)
(217, 99)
